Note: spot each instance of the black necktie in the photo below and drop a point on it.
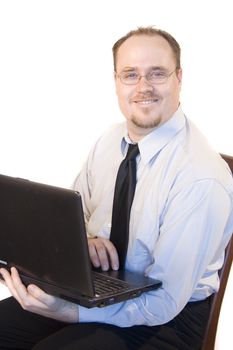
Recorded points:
(123, 197)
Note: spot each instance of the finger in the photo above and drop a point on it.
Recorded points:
(43, 299)
(102, 255)
(2, 281)
(9, 284)
(31, 297)
(112, 253)
(93, 253)
(17, 283)
(51, 306)
(24, 297)
(99, 253)
(26, 300)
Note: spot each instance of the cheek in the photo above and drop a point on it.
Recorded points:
(170, 93)
(124, 96)
(124, 104)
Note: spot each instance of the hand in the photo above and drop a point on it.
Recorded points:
(103, 253)
(33, 299)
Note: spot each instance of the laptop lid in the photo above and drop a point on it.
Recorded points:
(42, 234)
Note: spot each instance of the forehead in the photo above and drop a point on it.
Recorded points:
(143, 51)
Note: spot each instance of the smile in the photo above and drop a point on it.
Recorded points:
(146, 102)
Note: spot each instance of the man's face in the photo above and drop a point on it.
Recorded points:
(146, 105)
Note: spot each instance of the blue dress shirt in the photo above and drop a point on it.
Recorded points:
(181, 217)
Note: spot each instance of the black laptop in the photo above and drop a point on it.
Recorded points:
(42, 234)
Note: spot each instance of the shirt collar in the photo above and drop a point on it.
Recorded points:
(151, 144)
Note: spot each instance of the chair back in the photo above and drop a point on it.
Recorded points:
(216, 299)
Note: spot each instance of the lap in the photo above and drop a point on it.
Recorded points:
(29, 331)
(22, 328)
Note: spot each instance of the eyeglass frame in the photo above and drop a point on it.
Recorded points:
(166, 76)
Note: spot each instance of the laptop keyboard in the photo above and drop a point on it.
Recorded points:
(104, 285)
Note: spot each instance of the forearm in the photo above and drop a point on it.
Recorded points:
(149, 309)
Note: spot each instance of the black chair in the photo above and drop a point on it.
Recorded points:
(216, 299)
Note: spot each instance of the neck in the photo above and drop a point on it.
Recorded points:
(136, 134)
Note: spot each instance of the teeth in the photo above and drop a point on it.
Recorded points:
(147, 102)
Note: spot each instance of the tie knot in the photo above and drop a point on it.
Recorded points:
(133, 151)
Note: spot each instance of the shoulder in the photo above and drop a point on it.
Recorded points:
(190, 160)
(112, 134)
(110, 140)
(203, 161)
(107, 148)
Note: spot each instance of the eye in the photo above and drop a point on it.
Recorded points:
(157, 74)
(129, 75)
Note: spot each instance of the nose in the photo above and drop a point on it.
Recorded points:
(144, 85)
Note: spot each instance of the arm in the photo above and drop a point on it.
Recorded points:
(193, 234)
(102, 252)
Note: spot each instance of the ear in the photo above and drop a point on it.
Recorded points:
(115, 79)
(180, 75)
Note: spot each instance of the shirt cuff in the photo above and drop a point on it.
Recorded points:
(94, 314)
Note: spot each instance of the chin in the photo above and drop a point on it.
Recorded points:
(146, 124)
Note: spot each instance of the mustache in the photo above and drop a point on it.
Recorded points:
(145, 96)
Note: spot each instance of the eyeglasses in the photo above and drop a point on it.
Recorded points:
(154, 77)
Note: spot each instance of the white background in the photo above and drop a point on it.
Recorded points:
(56, 84)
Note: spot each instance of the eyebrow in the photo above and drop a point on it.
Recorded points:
(128, 69)
(159, 68)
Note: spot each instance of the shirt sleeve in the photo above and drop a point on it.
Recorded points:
(83, 185)
(192, 228)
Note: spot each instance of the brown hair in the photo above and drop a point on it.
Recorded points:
(149, 31)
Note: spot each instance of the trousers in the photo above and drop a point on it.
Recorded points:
(20, 329)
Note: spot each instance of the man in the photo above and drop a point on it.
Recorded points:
(181, 220)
